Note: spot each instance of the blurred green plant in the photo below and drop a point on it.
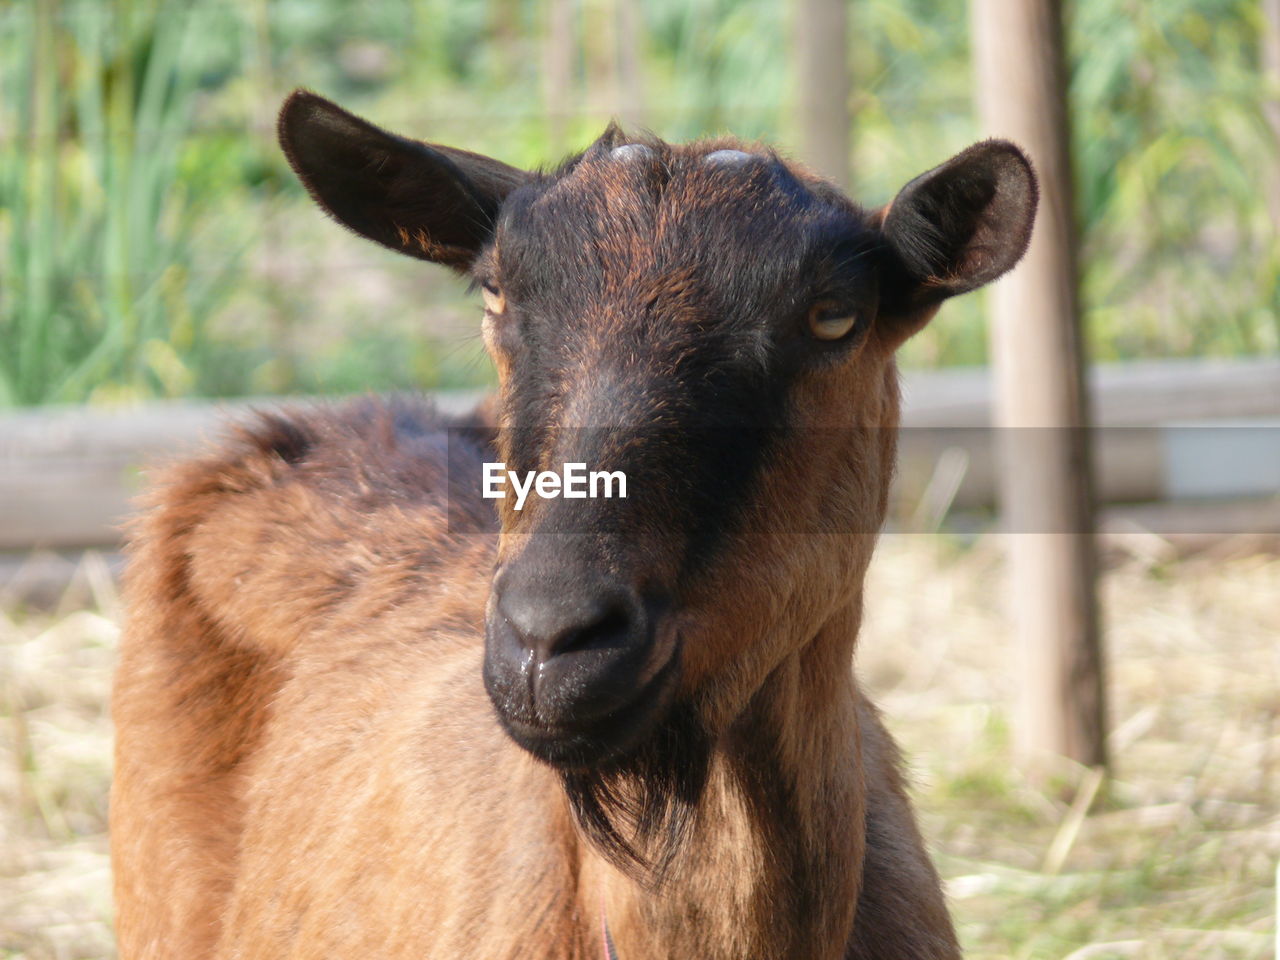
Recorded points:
(1180, 255)
(105, 289)
(154, 244)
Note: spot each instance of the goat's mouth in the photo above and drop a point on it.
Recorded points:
(567, 742)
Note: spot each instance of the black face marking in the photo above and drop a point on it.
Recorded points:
(657, 305)
(670, 312)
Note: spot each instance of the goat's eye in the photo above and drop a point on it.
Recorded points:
(828, 324)
(495, 301)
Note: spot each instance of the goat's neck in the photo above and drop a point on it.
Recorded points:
(773, 867)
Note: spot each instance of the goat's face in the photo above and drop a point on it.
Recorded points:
(714, 324)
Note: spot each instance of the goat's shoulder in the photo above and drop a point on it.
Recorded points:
(300, 516)
(303, 544)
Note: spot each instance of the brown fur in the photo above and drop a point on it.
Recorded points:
(288, 770)
(308, 764)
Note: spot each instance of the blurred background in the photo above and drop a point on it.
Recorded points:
(156, 253)
(155, 244)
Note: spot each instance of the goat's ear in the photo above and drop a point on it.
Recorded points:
(958, 227)
(427, 201)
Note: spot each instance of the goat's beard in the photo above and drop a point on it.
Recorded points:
(639, 810)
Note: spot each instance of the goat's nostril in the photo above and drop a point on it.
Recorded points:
(611, 629)
(548, 624)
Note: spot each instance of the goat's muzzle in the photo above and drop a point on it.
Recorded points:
(579, 665)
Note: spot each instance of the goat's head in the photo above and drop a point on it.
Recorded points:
(717, 324)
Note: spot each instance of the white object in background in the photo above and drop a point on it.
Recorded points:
(1222, 459)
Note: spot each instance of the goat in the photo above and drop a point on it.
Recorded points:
(360, 712)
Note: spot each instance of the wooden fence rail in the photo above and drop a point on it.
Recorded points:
(67, 475)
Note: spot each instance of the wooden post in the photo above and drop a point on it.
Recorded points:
(821, 63)
(1271, 96)
(613, 60)
(271, 256)
(505, 37)
(1041, 404)
(557, 71)
(629, 15)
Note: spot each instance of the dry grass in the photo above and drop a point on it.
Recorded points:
(1177, 858)
(1174, 860)
(55, 770)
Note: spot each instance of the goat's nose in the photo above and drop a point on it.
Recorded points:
(566, 646)
(549, 621)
